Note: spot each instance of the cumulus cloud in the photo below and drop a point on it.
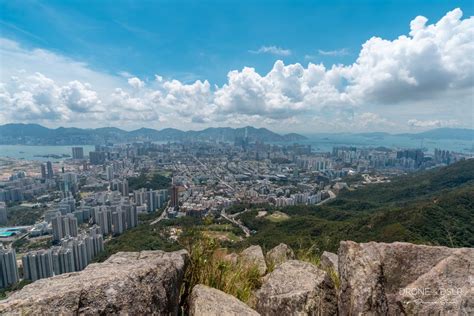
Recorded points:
(136, 83)
(429, 69)
(432, 123)
(79, 97)
(274, 50)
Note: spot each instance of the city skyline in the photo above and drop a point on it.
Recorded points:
(91, 68)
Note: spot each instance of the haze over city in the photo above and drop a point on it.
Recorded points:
(291, 67)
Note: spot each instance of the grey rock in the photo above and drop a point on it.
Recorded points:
(279, 254)
(127, 283)
(207, 301)
(297, 288)
(329, 261)
(402, 278)
(254, 255)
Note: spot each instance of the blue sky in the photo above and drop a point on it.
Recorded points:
(204, 40)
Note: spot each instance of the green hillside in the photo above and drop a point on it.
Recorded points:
(432, 207)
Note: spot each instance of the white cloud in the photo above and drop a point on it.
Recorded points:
(432, 123)
(428, 73)
(337, 52)
(274, 50)
(136, 83)
(79, 97)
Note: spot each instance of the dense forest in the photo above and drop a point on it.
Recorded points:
(154, 181)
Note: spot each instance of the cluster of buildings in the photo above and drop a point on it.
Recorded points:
(8, 267)
(150, 200)
(74, 254)
(92, 198)
(21, 188)
(367, 159)
(3, 213)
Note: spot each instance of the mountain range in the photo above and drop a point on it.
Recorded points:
(34, 134)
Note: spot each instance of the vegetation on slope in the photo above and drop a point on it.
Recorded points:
(23, 216)
(433, 207)
(142, 237)
(154, 182)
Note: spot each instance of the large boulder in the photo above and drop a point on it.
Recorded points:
(403, 278)
(296, 288)
(131, 283)
(207, 301)
(279, 254)
(329, 261)
(253, 255)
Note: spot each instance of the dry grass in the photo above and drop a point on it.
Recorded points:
(210, 266)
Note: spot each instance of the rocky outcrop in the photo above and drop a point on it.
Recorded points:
(296, 288)
(374, 279)
(207, 301)
(253, 255)
(279, 254)
(403, 278)
(329, 261)
(127, 283)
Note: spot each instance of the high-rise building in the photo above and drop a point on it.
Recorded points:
(131, 215)
(3, 213)
(118, 222)
(43, 171)
(174, 196)
(63, 260)
(8, 268)
(75, 253)
(38, 265)
(49, 168)
(109, 172)
(152, 201)
(97, 240)
(67, 204)
(124, 189)
(77, 153)
(65, 225)
(121, 186)
(69, 183)
(103, 218)
(140, 196)
(96, 157)
(83, 214)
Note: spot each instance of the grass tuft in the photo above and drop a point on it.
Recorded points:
(209, 265)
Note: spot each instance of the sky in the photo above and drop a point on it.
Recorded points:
(290, 66)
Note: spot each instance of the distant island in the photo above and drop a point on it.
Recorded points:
(53, 156)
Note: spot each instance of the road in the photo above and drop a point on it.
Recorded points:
(332, 196)
(163, 215)
(245, 229)
(214, 173)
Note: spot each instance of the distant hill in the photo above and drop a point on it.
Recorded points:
(445, 133)
(38, 135)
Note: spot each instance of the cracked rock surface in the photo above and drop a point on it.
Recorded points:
(405, 279)
(131, 283)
